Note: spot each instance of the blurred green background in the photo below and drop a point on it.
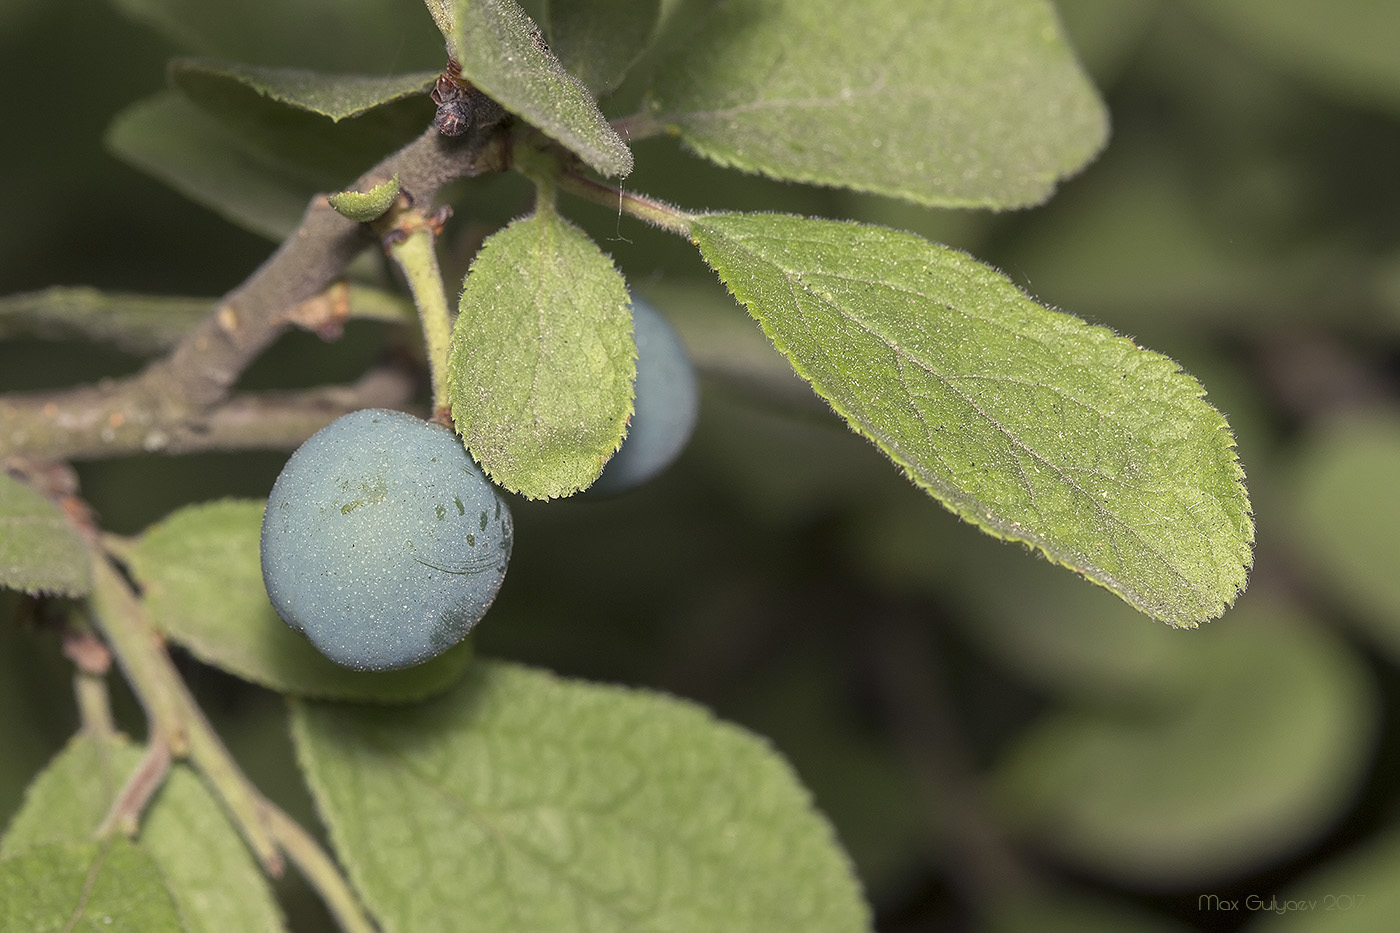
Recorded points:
(1000, 745)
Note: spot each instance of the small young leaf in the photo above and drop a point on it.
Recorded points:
(40, 551)
(201, 575)
(336, 96)
(364, 206)
(1029, 423)
(1268, 744)
(523, 801)
(599, 40)
(963, 104)
(368, 36)
(502, 53)
(143, 324)
(111, 885)
(205, 863)
(543, 360)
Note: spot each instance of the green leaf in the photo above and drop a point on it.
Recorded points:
(40, 550)
(363, 207)
(201, 575)
(542, 363)
(1346, 46)
(522, 801)
(205, 864)
(112, 885)
(1262, 752)
(966, 104)
(1028, 423)
(329, 126)
(175, 141)
(599, 40)
(1344, 514)
(368, 36)
(336, 96)
(142, 324)
(502, 52)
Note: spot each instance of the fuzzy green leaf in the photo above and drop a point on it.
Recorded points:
(336, 96)
(40, 551)
(965, 103)
(542, 363)
(522, 801)
(62, 886)
(206, 866)
(201, 575)
(1266, 745)
(502, 52)
(1026, 422)
(364, 206)
(368, 36)
(599, 40)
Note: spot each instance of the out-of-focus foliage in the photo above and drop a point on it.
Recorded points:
(1242, 220)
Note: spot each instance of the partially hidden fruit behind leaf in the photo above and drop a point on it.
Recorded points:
(382, 541)
(667, 401)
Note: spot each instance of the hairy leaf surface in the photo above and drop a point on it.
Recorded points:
(502, 52)
(543, 361)
(201, 575)
(60, 886)
(1027, 422)
(522, 801)
(40, 551)
(206, 866)
(973, 103)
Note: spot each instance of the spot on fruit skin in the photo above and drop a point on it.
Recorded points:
(384, 587)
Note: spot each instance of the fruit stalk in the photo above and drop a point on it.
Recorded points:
(417, 259)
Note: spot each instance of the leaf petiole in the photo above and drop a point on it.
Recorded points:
(655, 212)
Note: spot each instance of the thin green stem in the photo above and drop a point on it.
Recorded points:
(416, 257)
(318, 868)
(94, 705)
(174, 717)
(150, 774)
(657, 213)
(178, 729)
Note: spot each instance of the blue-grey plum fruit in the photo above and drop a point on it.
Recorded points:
(382, 541)
(666, 404)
